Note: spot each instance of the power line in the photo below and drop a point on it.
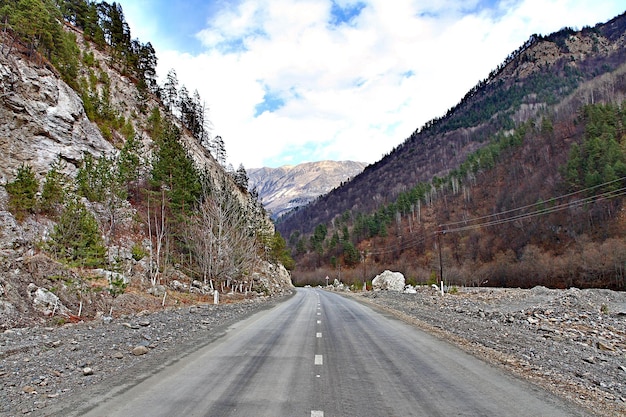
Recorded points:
(445, 228)
(543, 211)
(447, 225)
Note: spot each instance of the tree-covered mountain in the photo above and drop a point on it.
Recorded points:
(523, 174)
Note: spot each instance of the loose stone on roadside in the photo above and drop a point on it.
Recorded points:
(140, 350)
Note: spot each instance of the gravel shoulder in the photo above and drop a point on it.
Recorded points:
(570, 342)
(46, 370)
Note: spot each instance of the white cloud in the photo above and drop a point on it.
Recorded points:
(356, 90)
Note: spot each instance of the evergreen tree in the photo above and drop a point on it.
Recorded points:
(170, 90)
(53, 193)
(76, 238)
(174, 169)
(280, 253)
(23, 192)
(218, 149)
(241, 177)
(129, 161)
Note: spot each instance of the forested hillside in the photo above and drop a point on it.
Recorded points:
(112, 184)
(520, 184)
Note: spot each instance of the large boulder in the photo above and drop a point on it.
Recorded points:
(392, 281)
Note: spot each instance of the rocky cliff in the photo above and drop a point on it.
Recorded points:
(44, 120)
(285, 188)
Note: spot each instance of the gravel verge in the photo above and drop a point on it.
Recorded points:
(46, 371)
(570, 342)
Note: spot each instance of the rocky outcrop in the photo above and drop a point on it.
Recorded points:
(285, 188)
(41, 119)
(272, 279)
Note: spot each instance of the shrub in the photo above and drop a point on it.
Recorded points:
(138, 252)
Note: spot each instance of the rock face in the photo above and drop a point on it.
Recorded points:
(42, 118)
(392, 281)
(275, 279)
(285, 188)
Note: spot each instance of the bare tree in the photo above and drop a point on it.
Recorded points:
(157, 228)
(222, 240)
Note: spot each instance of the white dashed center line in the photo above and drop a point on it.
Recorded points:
(318, 335)
(319, 360)
(319, 322)
(316, 413)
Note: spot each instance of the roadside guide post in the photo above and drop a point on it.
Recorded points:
(439, 233)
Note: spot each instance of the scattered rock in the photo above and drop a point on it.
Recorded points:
(602, 345)
(140, 350)
(157, 290)
(557, 338)
(87, 371)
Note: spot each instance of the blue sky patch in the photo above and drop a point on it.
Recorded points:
(232, 46)
(340, 15)
(272, 101)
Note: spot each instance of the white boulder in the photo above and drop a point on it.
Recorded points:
(392, 281)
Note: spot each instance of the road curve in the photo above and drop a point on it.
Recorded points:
(320, 354)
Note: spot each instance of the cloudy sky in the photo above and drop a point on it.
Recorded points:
(291, 81)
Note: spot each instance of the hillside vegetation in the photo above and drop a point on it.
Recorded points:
(520, 184)
(114, 187)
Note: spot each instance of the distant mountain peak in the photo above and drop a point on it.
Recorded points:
(287, 187)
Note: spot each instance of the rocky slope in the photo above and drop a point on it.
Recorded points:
(285, 188)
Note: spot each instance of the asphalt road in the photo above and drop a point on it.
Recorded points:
(320, 354)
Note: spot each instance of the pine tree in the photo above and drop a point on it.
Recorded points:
(53, 193)
(218, 149)
(170, 90)
(241, 177)
(174, 169)
(23, 192)
(76, 238)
